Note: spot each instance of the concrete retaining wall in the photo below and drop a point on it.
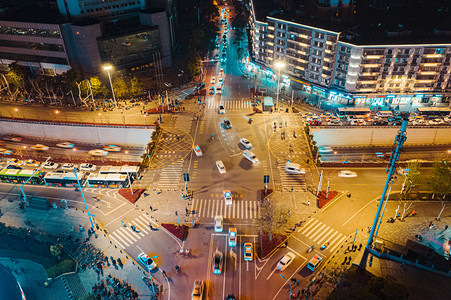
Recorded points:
(378, 136)
(135, 136)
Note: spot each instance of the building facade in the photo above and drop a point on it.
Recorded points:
(39, 46)
(335, 66)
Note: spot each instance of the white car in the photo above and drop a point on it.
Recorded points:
(40, 147)
(325, 150)
(245, 142)
(88, 167)
(50, 165)
(227, 196)
(112, 148)
(219, 223)
(147, 261)
(219, 90)
(347, 174)
(14, 162)
(69, 166)
(213, 80)
(221, 167)
(221, 109)
(32, 163)
(285, 261)
(67, 145)
(197, 150)
(98, 152)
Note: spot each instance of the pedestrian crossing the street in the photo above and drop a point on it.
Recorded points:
(239, 209)
(170, 176)
(291, 181)
(125, 236)
(230, 105)
(320, 233)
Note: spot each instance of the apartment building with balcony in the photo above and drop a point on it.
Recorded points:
(349, 63)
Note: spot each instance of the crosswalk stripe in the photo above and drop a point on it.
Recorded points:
(325, 238)
(310, 227)
(306, 224)
(316, 232)
(137, 234)
(338, 244)
(115, 237)
(145, 226)
(149, 219)
(247, 209)
(124, 234)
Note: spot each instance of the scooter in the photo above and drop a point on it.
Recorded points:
(123, 224)
(250, 121)
(311, 249)
(133, 228)
(324, 246)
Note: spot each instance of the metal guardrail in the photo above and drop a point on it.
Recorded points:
(75, 124)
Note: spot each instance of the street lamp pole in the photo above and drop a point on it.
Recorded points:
(107, 68)
(35, 171)
(291, 287)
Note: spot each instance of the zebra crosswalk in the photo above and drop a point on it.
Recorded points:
(288, 181)
(320, 233)
(170, 176)
(239, 209)
(125, 236)
(230, 104)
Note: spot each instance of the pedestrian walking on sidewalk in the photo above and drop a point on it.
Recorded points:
(150, 207)
(186, 211)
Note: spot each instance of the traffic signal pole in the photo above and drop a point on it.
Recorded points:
(397, 145)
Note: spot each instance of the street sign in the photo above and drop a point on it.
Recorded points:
(186, 177)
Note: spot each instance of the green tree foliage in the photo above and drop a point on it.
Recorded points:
(136, 87)
(98, 88)
(56, 250)
(241, 53)
(193, 64)
(440, 180)
(121, 89)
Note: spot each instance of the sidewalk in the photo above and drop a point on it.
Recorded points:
(50, 221)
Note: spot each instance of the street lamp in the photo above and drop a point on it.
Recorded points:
(75, 170)
(278, 65)
(108, 68)
(291, 287)
(75, 150)
(25, 147)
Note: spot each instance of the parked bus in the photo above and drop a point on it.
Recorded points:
(20, 176)
(354, 111)
(64, 179)
(108, 180)
(385, 114)
(133, 171)
(433, 111)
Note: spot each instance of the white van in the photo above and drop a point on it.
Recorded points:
(250, 156)
(292, 168)
(314, 262)
(384, 114)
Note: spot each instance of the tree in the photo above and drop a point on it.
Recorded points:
(411, 179)
(440, 180)
(241, 53)
(136, 87)
(121, 88)
(272, 218)
(56, 250)
(18, 75)
(98, 88)
(193, 64)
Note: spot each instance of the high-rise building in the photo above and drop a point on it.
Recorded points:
(354, 63)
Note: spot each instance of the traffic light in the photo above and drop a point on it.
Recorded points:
(186, 177)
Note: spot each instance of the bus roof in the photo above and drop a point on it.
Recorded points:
(354, 109)
(54, 175)
(18, 172)
(431, 109)
(112, 177)
(119, 169)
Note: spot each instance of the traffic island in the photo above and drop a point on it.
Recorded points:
(127, 194)
(270, 242)
(324, 198)
(180, 232)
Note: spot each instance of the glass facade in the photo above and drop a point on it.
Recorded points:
(32, 46)
(130, 50)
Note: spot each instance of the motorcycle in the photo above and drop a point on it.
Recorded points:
(324, 246)
(311, 249)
